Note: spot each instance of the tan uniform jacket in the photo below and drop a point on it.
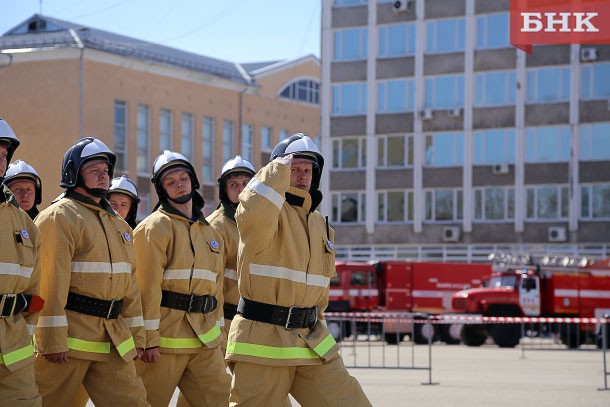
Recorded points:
(286, 257)
(180, 255)
(19, 273)
(87, 249)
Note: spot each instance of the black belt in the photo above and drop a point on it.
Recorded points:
(108, 309)
(13, 304)
(288, 317)
(230, 310)
(190, 303)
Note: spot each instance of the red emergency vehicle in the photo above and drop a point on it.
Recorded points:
(420, 288)
(549, 287)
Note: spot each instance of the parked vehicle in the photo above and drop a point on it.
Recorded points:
(385, 288)
(547, 287)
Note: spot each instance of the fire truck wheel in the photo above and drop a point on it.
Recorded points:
(473, 335)
(423, 332)
(450, 333)
(506, 335)
(393, 338)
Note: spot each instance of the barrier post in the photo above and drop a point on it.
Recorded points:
(430, 329)
(604, 347)
(522, 344)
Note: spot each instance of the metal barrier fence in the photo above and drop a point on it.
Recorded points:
(368, 336)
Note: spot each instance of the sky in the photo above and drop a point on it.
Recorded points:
(232, 30)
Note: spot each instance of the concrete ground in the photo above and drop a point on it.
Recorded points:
(484, 376)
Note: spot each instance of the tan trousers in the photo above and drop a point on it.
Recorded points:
(322, 385)
(18, 388)
(201, 377)
(112, 383)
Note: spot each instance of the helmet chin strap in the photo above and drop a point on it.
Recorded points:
(181, 200)
(96, 192)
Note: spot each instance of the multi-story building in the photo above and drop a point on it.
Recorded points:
(445, 141)
(61, 81)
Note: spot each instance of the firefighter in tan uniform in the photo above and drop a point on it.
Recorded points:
(23, 181)
(19, 289)
(180, 264)
(279, 343)
(236, 173)
(91, 328)
(124, 199)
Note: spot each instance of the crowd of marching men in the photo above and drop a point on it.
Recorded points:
(228, 308)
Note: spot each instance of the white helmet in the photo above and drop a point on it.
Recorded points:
(125, 186)
(235, 165)
(20, 170)
(7, 134)
(170, 159)
(301, 146)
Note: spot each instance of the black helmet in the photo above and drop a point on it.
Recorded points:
(7, 134)
(302, 146)
(165, 161)
(125, 186)
(235, 165)
(85, 149)
(19, 171)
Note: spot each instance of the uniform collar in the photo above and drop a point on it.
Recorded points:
(103, 205)
(170, 210)
(228, 209)
(309, 201)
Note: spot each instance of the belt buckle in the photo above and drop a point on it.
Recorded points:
(108, 315)
(3, 303)
(208, 304)
(189, 309)
(315, 320)
(287, 325)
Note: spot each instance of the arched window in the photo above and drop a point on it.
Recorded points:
(303, 90)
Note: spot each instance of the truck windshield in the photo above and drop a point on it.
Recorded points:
(503, 281)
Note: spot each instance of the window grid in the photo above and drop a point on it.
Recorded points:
(304, 90)
(187, 136)
(548, 85)
(350, 44)
(395, 206)
(443, 204)
(246, 141)
(494, 204)
(165, 130)
(496, 88)
(547, 202)
(547, 144)
(445, 92)
(207, 146)
(595, 201)
(395, 95)
(228, 140)
(444, 149)
(349, 153)
(348, 207)
(445, 35)
(120, 135)
(494, 146)
(349, 99)
(395, 151)
(595, 141)
(266, 139)
(396, 40)
(143, 143)
(595, 83)
(493, 31)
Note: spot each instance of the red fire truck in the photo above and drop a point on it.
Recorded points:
(420, 288)
(549, 287)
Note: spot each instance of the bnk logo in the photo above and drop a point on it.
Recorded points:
(559, 22)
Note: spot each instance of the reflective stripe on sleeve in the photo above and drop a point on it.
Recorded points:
(13, 269)
(230, 273)
(270, 352)
(126, 347)
(289, 274)
(100, 267)
(135, 321)
(325, 345)
(180, 343)
(17, 355)
(210, 335)
(88, 346)
(151, 324)
(185, 274)
(268, 192)
(52, 321)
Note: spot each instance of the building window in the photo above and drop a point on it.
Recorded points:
(397, 40)
(207, 152)
(395, 206)
(344, 3)
(495, 88)
(166, 135)
(445, 92)
(547, 144)
(246, 141)
(348, 207)
(304, 90)
(350, 44)
(228, 140)
(143, 153)
(349, 153)
(443, 204)
(595, 83)
(349, 99)
(595, 201)
(284, 134)
(546, 202)
(144, 206)
(548, 85)
(494, 146)
(394, 151)
(444, 149)
(266, 139)
(595, 141)
(446, 35)
(187, 136)
(494, 204)
(120, 135)
(493, 31)
(396, 95)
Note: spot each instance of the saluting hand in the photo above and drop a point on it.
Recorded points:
(286, 160)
